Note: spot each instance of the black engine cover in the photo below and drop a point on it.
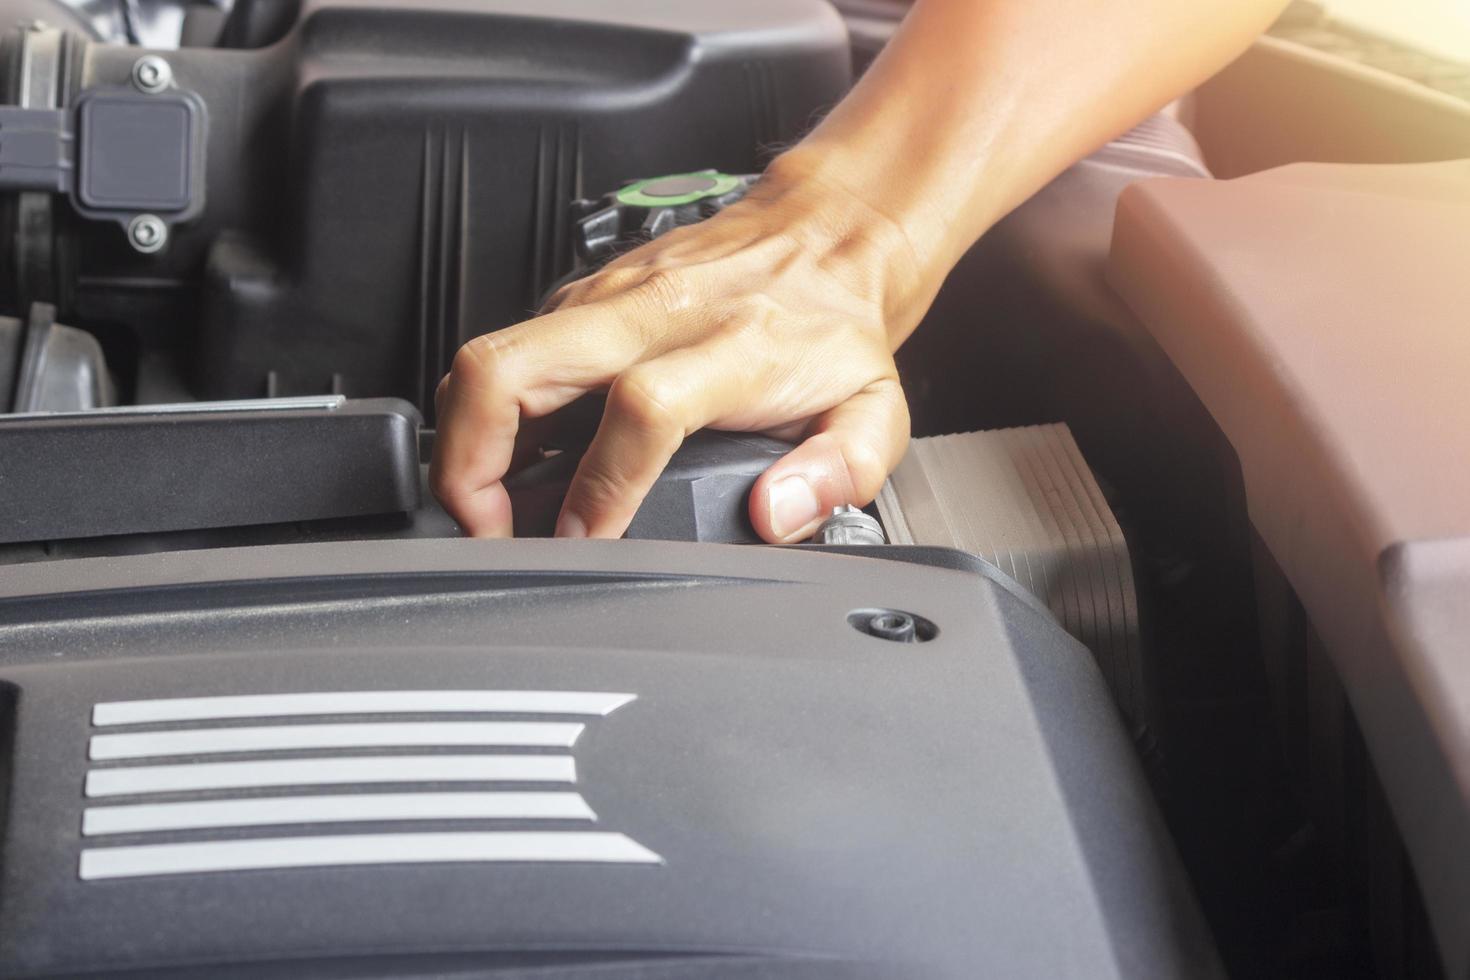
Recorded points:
(745, 784)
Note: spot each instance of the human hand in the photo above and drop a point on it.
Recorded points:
(779, 314)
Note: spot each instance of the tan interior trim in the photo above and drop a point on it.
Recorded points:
(1281, 103)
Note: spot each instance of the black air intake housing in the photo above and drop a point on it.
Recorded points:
(340, 210)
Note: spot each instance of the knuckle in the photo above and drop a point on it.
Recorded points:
(615, 279)
(667, 290)
(488, 361)
(646, 401)
(762, 307)
(867, 468)
(747, 328)
(604, 284)
(903, 422)
(871, 455)
(479, 363)
(898, 405)
(444, 485)
(563, 296)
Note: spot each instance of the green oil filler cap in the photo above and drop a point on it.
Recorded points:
(672, 190)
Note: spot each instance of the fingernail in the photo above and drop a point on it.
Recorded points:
(794, 505)
(569, 525)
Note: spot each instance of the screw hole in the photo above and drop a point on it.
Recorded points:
(893, 625)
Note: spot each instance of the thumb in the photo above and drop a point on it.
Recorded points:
(852, 449)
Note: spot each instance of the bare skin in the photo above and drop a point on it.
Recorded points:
(782, 313)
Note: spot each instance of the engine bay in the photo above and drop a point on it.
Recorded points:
(264, 712)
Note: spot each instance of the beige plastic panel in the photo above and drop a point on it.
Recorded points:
(1282, 103)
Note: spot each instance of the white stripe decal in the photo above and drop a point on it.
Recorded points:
(360, 849)
(204, 741)
(335, 808)
(357, 702)
(311, 772)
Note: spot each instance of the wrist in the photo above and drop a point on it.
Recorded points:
(827, 207)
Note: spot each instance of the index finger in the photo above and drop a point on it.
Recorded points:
(478, 418)
(527, 370)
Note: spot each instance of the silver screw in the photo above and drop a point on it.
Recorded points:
(848, 525)
(147, 233)
(151, 74)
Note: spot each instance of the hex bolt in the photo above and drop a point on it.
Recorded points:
(147, 233)
(151, 74)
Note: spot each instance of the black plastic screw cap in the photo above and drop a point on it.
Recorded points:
(895, 626)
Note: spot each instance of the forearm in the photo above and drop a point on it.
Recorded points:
(976, 104)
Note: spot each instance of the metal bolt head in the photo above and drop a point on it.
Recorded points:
(848, 525)
(151, 74)
(147, 233)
